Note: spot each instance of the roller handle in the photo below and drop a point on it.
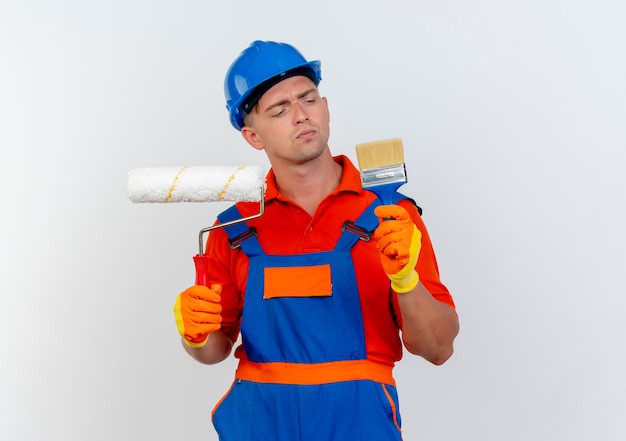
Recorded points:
(202, 269)
(201, 260)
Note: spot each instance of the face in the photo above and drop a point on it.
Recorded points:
(290, 122)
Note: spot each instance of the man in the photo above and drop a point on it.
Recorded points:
(325, 287)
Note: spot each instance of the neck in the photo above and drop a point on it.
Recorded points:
(308, 184)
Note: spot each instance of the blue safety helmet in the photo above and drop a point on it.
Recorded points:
(259, 67)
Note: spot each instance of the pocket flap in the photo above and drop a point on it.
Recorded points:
(298, 281)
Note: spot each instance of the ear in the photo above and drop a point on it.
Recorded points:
(252, 137)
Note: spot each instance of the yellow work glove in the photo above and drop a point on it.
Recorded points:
(399, 243)
(197, 312)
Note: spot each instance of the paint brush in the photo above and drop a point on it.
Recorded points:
(382, 167)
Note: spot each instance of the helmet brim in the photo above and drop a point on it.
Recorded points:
(255, 94)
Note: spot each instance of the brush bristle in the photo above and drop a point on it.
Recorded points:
(380, 153)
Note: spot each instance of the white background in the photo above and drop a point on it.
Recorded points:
(513, 119)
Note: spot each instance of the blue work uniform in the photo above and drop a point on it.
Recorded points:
(305, 375)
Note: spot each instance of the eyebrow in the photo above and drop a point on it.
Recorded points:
(283, 102)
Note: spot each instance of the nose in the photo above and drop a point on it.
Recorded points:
(300, 115)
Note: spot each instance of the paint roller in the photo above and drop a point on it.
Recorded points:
(199, 184)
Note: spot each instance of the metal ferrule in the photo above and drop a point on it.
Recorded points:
(390, 174)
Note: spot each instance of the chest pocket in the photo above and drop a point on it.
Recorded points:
(297, 281)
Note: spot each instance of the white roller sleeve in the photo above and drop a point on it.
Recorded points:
(195, 184)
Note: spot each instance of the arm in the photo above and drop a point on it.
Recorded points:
(218, 346)
(429, 326)
(210, 325)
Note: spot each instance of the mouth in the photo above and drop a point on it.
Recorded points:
(306, 134)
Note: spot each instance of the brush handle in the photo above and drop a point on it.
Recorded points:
(386, 192)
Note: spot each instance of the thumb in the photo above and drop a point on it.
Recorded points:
(391, 211)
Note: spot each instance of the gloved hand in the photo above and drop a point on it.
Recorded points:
(197, 312)
(399, 242)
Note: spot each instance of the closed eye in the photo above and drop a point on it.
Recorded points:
(279, 108)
